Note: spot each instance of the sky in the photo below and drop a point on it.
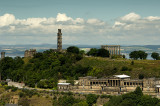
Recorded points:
(83, 22)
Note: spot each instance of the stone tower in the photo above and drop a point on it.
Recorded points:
(2, 55)
(59, 40)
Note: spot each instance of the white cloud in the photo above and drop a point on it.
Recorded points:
(152, 18)
(6, 19)
(131, 17)
(95, 22)
(62, 17)
(128, 29)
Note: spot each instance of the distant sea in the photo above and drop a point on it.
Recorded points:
(18, 50)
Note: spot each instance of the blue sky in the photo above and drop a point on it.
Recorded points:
(82, 21)
(101, 9)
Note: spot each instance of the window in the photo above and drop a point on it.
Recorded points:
(90, 83)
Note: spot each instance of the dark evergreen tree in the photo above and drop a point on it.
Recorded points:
(103, 53)
(73, 49)
(92, 52)
(155, 55)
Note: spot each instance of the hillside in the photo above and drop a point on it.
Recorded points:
(107, 67)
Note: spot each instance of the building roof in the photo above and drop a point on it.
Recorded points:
(158, 86)
(122, 76)
(64, 83)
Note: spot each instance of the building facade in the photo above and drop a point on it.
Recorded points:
(30, 53)
(113, 49)
(2, 55)
(117, 84)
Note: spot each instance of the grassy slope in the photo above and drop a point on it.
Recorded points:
(149, 68)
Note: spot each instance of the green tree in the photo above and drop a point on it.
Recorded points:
(114, 101)
(147, 100)
(138, 91)
(73, 49)
(141, 76)
(91, 99)
(124, 68)
(103, 53)
(134, 55)
(155, 55)
(66, 100)
(124, 56)
(82, 103)
(142, 54)
(138, 54)
(92, 52)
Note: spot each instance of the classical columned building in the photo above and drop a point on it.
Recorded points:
(113, 49)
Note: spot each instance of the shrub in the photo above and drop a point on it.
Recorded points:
(3, 83)
(21, 94)
(91, 99)
(124, 68)
(141, 76)
(105, 96)
(13, 89)
(132, 63)
(29, 93)
(124, 56)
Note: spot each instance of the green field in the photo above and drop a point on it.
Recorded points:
(106, 67)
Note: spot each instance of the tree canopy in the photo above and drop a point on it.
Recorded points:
(92, 52)
(98, 52)
(44, 69)
(135, 98)
(138, 55)
(155, 56)
(73, 49)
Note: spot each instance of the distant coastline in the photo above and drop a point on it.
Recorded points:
(18, 50)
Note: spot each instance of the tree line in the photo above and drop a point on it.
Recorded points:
(143, 55)
(44, 69)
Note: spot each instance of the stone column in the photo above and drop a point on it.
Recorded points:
(119, 50)
(59, 40)
(110, 50)
(114, 50)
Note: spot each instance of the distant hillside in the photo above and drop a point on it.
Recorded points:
(109, 67)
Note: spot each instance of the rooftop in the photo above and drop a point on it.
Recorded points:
(122, 76)
(64, 83)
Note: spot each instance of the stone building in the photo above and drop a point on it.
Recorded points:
(59, 40)
(64, 86)
(117, 84)
(30, 53)
(113, 49)
(2, 55)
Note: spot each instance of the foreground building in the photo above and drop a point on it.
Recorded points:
(117, 84)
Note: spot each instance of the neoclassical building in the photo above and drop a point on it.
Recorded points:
(117, 84)
(113, 49)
